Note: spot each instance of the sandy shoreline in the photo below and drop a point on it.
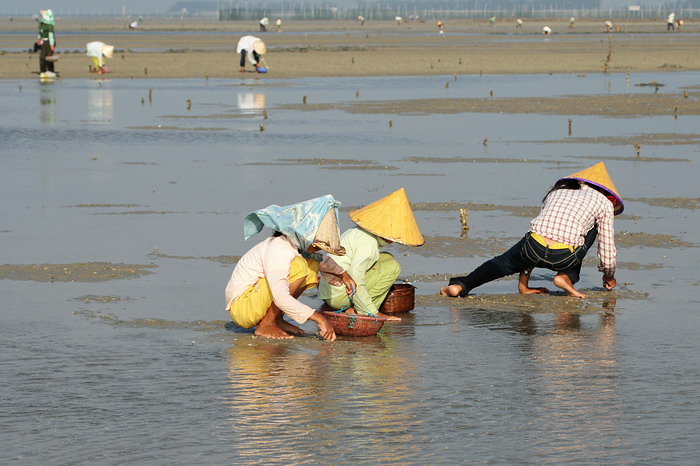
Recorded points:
(331, 49)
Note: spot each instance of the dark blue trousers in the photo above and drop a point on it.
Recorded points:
(524, 255)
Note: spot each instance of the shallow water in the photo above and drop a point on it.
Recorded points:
(140, 368)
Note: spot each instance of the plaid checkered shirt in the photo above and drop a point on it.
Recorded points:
(568, 214)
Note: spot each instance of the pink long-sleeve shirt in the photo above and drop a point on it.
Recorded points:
(271, 259)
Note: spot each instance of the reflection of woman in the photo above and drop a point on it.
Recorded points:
(46, 40)
(578, 208)
(267, 281)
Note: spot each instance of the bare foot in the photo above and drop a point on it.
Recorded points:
(388, 317)
(562, 281)
(528, 290)
(289, 328)
(272, 331)
(451, 290)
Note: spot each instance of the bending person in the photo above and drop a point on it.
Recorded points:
(98, 51)
(579, 208)
(267, 281)
(387, 220)
(253, 48)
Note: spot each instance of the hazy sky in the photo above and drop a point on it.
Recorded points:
(137, 7)
(71, 7)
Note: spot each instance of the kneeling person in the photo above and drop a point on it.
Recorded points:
(268, 279)
(387, 220)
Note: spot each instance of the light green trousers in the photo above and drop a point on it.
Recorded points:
(378, 279)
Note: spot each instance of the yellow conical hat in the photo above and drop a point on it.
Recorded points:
(391, 218)
(598, 175)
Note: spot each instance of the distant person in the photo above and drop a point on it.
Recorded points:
(671, 22)
(46, 41)
(278, 23)
(263, 24)
(572, 22)
(388, 220)
(267, 281)
(492, 20)
(608, 26)
(253, 48)
(546, 30)
(99, 52)
(518, 23)
(398, 20)
(441, 26)
(361, 20)
(133, 25)
(579, 208)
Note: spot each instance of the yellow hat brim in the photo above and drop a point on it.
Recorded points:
(598, 175)
(390, 218)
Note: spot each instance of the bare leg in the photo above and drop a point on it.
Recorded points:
(564, 282)
(273, 324)
(524, 282)
(451, 290)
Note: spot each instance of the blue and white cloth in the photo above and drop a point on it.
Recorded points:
(299, 222)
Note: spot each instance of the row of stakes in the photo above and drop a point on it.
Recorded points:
(391, 122)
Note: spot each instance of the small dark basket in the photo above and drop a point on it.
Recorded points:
(354, 325)
(401, 298)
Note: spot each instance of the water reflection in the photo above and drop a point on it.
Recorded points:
(251, 101)
(47, 99)
(100, 105)
(283, 391)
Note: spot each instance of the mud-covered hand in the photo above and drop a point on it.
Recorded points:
(609, 282)
(324, 327)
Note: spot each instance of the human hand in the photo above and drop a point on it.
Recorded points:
(609, 282)
(324, 327)
(350, 285)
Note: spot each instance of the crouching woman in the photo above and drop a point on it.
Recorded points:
(268, 280)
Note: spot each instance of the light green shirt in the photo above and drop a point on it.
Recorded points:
(361, 253)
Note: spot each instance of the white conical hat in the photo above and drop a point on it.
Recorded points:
(391, 218)
(108, 50)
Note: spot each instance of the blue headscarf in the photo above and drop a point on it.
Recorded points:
(299, 222)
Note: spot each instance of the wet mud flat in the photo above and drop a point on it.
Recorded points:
(126, 223)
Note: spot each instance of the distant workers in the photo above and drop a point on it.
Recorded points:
(46, 41)
(263, 24)
(253, 48)
(671, 22)
(99, 51)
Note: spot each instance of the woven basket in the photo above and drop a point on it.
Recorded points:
(354, 325)
(401, 298)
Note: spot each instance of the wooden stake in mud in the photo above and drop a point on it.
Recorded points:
(569, 126)
(464, 221)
